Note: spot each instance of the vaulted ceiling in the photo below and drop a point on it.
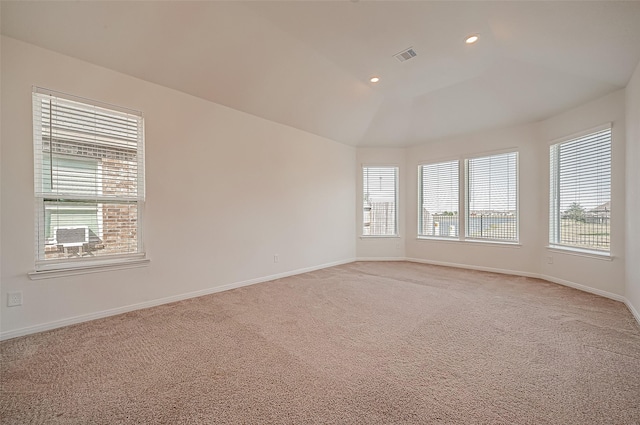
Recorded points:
(308, 64)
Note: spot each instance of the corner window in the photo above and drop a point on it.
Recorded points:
(438, 200)
(580, 192)
(89, 181)
(492, 197)
(380, 201)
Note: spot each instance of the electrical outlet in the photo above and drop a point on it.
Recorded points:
(549, 260)
(14, 299)
(275, 258)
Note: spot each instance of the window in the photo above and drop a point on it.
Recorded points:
(492, 197)
(380, 201)
(89, 180)
(580, 192)
(438, 199)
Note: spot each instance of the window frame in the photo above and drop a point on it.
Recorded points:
(463, 199)
(54, 267)
(554, 228)
(461, 220)
(467, 211)
(396, 168)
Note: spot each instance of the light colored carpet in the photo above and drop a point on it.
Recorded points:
(363, 343)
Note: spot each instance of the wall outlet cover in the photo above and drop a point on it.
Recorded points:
(14, 299)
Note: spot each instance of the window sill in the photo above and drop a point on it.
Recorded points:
(471, 242)
(96, 267)
(379, 236)
(438, 238)
(598, 255)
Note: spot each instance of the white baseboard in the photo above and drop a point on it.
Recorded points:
(153, 303)
(584, 288)
(633, 310)
(381, 259)
(551, 279)
(472, 267)
(112, 312)
(548, 278)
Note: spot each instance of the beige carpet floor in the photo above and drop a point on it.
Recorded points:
(362, 343)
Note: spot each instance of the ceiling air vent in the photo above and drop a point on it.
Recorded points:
(405, 54)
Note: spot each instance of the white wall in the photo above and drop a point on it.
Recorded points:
(520, 258)
(632, 288)
(382, 247)
(203, 161)
(530, 257)
(595, 273)
(225, 192)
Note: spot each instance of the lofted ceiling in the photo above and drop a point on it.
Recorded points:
(307, 64)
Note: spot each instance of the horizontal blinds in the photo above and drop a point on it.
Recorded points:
(85, 151)
(581, 191)
(585, 171)
(379, 200)
(89, 178)
(439, 199)
(492, 197)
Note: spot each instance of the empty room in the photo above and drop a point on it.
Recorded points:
(336, 212)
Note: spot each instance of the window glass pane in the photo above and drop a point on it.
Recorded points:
(438, 214)
(89, 178)
(58, 214)
(379, 201)
(580, 192)
(86, 150)
(492, 197)
(83, 229)
(71, 175)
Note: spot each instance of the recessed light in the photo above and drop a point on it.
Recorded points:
(471, 39)
(374, 79)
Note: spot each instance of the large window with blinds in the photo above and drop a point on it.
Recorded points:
(380, 201)
(89, 180)
(438, 200)
(492, 197)
(580, 192)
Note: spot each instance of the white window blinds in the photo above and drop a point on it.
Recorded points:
(492, 198)
(438, 199)
(380, 201)
(89, 178)
(580, 192)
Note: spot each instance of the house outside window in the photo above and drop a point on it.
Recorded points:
(89, 181)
